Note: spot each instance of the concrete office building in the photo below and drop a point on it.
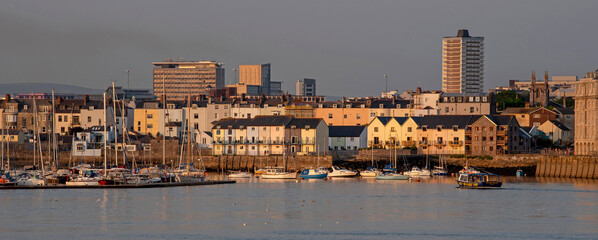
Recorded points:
(463, 63)
(180, 77)
(259, 75)
(306, 87)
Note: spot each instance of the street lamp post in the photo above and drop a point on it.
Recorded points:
(386, 89)
(128, 83)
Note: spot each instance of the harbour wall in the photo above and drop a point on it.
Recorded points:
(24, 157)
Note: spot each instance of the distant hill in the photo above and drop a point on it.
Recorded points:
(13, 88)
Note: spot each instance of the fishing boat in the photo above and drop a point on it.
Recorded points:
(479, 180)
(341, 172)
(277, 173)
(369, 172)
(314, 173)
(239, 174)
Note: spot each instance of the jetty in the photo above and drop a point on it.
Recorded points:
(148, 185)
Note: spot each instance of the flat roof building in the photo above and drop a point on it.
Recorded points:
(463, 63)
(178, 78)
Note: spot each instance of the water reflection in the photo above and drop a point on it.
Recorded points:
(362, 208)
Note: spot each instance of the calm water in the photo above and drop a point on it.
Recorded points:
(334, 209)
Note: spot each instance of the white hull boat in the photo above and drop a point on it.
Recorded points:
(239, 175)
(341, 172)
(278, 174)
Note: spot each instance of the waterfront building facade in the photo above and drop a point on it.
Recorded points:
(586, 115)
(443, 134)
(557, 132)
(463, 63)
(267, 135)
(179, 78)
(347, 138)
(529, 117)
(466, 104)
(491, 135)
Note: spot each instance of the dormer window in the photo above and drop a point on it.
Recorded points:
(334, 106)
(348, 106)
(170, 106)
(91, 108)
(381, 105)
(25, 107)
(265, 105)
(424, 128)
(320, 105)
(279, 105)
(362, 105)
(439, 128)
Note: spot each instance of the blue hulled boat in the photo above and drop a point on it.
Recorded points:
(313, 174)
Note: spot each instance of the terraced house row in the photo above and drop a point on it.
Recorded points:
(450, 134)
(267, 135)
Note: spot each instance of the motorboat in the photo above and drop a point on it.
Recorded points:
(277, 173)
(369, 172)
(86, 179)
(415, 171)
(28, 179)
(341, 172)
(314, 173)
(392, 176)
(479, 180)
(239, 174)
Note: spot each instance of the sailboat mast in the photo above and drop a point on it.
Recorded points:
(54, 135)
(163, 122)
(105, 139)
(36, 126)
(188, 131)
(115, 127)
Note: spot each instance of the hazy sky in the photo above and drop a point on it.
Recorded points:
(346, 45)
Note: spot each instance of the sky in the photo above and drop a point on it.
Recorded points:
(346, 45)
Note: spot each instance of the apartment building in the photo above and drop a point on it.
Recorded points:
(267, 135)
(463, 63)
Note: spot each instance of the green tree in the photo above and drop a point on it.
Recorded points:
(507, 99)
(570, 102)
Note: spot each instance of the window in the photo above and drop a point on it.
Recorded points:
(483, 138)
(345, 116)
(491, 139)
(195, 125)
(439, 128)
(376, 129)
(471, 109)
(196, 116)
(330, 115)
(372, 114)
(522, 116)
(277, 129)
(446, 109)
(150, 116)
(216, 115)
(424, 129)
(409, 129)
(491, 129)
(536, 115)
(150, 126)
(66, 118)
(455, 128)
(79, 147)
(89, 119)
(60, 118)
(392, 129)
(215, 106)
(230, 131)
(218, 132)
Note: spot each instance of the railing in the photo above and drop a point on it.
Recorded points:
(408, 143)
(456, 143)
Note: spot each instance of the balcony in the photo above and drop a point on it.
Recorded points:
(424, 143)
(501, 133)
(408, 143)
(456, 143)
(467, 141)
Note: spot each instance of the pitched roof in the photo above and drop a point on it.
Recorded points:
(345, 131)
(401, 120)
(305, 122)
(236, 123)
(560, 125)
(500, 119)
(565, 110)
(384, 120)
(461, 121)
(513, 110)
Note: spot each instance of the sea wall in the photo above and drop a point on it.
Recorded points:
(22, 157)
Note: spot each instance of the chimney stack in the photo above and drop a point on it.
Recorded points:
(7, 97)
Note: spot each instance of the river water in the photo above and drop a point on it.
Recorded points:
(525, 208)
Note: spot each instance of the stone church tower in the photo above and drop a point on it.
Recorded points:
(539, 92)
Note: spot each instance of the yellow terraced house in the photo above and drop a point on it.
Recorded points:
(393, 132)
